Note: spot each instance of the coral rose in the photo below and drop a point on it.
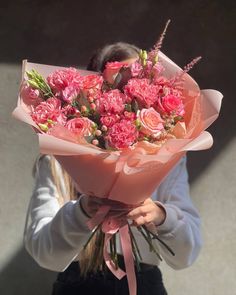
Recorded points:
(171, 104)
(91, 81)
(112, 69)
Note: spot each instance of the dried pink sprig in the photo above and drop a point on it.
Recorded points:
(158, 45)
(186, 69)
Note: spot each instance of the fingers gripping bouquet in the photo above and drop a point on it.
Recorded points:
(118, 134)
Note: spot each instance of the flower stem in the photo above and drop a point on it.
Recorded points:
(92, 235)
(135, 249)
(149, 241)
(154, 236)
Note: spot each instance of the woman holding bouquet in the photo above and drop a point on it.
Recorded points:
(58, 232)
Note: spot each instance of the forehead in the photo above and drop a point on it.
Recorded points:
(130, 60)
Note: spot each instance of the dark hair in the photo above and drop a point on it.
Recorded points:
(114, 52)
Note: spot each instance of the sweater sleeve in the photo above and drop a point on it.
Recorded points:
(181, 228)
(55, 235)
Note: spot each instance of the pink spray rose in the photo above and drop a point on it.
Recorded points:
(80, 126)
(151, 122)
(129, 116)
(112, 102)
(60, 79)
(153, 71)
(29, 95)
(171, 104)
(71, 111)
(122, 134)
(49, 112)
(136, 69)
(112, 69)
(109, 120)
(70, 93)
(145, 93)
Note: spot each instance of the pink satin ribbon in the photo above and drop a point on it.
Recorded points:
(112, 220)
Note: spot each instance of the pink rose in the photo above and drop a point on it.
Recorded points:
(109, 120)
(161, 81)
(129, 116)
(60, 79)
(112, 69)
(157, 69)
(153, 71)
(136, 69)
(71, 111)
(80, 126)
(70, 93)
(171, 104)
(29, 95)
(49, 112)
(122, 134)
(145, 93)
(112, 102)
(151, 122)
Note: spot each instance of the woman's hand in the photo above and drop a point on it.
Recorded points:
(148, 213)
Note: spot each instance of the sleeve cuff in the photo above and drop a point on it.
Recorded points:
(171, 220)
(82, 218)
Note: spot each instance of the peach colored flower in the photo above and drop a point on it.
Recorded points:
(80, 126)
(151, 122)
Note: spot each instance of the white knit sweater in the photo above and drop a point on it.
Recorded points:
(55, 236)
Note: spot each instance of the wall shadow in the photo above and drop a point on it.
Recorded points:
(23, 276)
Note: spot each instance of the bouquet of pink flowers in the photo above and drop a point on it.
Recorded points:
(115, 110)
(118, 133)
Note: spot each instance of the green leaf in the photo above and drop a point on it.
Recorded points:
(134, 105)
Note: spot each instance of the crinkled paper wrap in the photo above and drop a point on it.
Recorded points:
(129, 176)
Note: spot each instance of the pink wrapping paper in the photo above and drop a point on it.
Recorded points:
(130, 176)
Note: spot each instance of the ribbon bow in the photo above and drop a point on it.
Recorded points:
(113, 219)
